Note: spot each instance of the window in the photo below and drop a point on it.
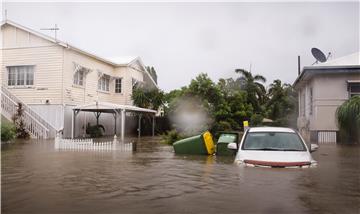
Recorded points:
(20, 75)
(354, 88)
(79, 77)
(273, 141)
(118, 85)
(103, 83)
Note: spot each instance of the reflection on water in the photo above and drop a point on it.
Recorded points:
(38, 179)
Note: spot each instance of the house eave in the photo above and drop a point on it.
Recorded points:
(309, 71)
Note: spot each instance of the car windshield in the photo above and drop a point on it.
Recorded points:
(273, 141)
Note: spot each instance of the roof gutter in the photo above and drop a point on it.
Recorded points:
(314, 70)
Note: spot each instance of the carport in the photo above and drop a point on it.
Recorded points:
(115, 109)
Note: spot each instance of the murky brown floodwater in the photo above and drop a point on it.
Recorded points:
(38, 179)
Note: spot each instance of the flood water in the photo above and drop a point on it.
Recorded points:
(38, 179)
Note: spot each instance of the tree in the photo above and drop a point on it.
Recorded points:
(256, 92)
(348, 119)
(21, 131)
(204, 88)
(152, 73)
(148, 98)
(281, 103)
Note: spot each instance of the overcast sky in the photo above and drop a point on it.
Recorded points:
(182, 40)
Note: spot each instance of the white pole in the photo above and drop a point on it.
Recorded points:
(122, 125)
(72, 124)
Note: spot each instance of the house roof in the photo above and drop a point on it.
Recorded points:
(114, 61)
(110, 107)
(348, 60)
(121, 60)
(348, 64)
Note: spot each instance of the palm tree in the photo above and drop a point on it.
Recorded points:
(253, 86)
(281, 103)
(348, 118)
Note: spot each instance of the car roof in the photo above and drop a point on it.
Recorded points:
(271, 129)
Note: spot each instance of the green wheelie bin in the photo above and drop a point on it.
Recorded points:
(224, 139)
(197, 145)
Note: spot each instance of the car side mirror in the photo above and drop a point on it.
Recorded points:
(232, 146)
(313, 147)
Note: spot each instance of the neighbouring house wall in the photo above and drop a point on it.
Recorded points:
(23, 48)
(76, 95)
(125, 96)
(330, 92)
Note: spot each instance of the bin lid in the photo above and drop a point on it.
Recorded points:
(228, 138)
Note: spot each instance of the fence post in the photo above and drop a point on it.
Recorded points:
(57, 139)
(114, 142)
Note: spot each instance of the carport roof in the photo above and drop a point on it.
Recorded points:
(110, 108)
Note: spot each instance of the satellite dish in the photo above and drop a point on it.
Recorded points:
(319, 55)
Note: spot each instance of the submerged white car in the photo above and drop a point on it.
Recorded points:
(273, 147)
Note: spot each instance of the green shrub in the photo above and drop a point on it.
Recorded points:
(8, 132)
(348, 119)
(256, 120)
(171, 137)
(95, 130)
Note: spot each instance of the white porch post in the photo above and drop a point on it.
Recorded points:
(153, 125)
(72, 124)
(122, 125)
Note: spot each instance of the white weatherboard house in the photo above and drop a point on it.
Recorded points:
(51, 77)
(322, 88)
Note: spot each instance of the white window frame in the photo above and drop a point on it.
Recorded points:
(28, 68)
(104, 83)
(351, 83)
(311, 95)
(77, 79)
(115, 88)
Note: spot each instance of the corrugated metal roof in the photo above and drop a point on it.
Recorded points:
(122, 60)
(110, 107)
(351, 59)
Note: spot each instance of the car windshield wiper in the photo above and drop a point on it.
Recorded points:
(270, 149)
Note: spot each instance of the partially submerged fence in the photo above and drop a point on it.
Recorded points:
(90, 145)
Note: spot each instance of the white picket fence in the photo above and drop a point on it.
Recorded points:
(90, 145)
